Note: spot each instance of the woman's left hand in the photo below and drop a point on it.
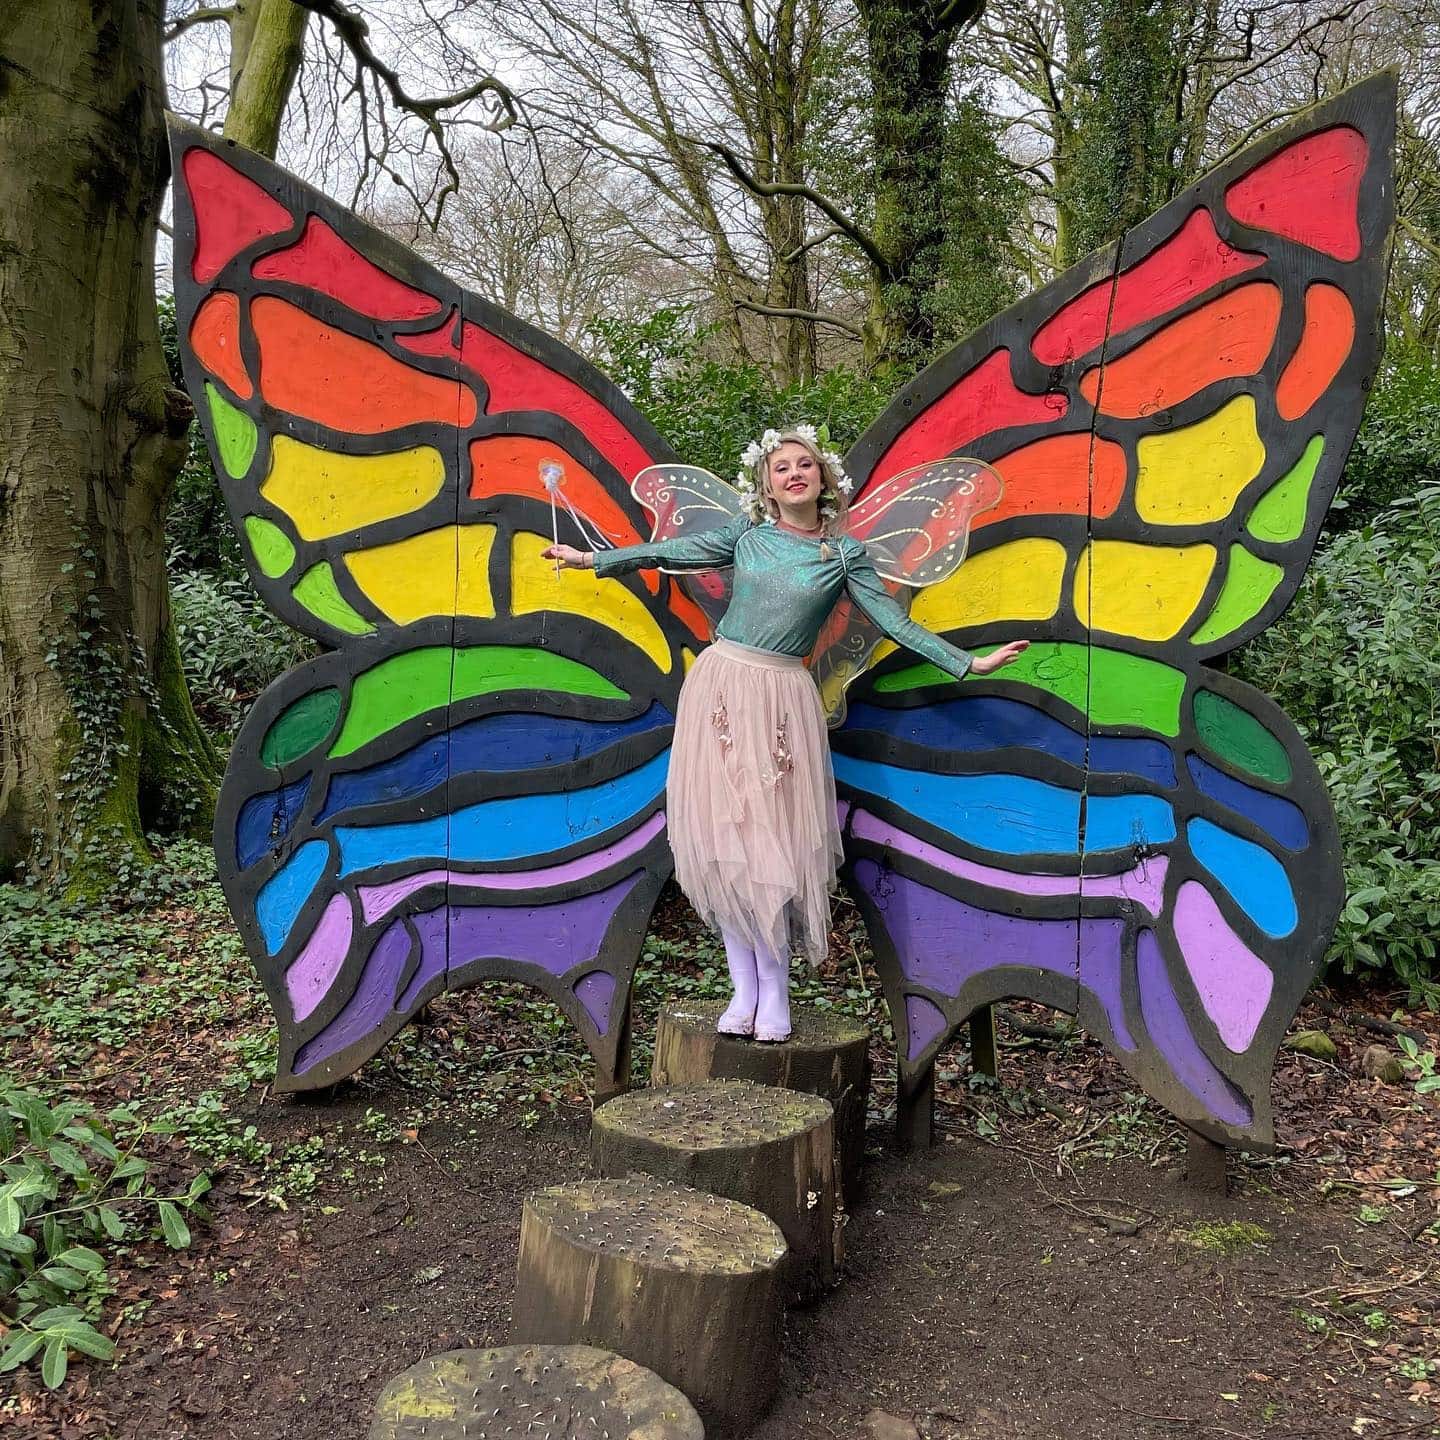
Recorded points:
(998, 659)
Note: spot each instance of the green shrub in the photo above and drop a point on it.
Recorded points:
(1356, 663)
(69, 1183)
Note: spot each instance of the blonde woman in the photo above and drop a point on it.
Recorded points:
(751, 794)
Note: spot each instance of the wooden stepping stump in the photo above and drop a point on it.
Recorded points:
(769, 1148)
(538, 1392)
(826, 1055)
(687, 1284)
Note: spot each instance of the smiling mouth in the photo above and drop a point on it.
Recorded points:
(798, 485)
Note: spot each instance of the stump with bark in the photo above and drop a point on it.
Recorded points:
(685, 1283)
(769, 1148)
(826, 1055)
(563, 1392)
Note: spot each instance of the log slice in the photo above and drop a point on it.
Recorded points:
(826, 1055)
(538, 1392)
(685, 1283)
(769, 1148)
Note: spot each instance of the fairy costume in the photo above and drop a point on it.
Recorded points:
(751, 795)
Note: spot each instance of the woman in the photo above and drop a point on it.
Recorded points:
(751, 794)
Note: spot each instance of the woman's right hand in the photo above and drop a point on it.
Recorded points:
(568, 556)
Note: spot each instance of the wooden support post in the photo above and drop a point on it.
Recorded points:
(915, 1112)
(1204, 1163)
(616, 1080)
(516, 1389)
(983, 1057)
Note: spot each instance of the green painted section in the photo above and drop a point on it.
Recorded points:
(300, 728)
(1249, 584)
(407, 685)
(1236, 735)
(317, 592)
(1280, 513)
(235, 433)
(274, 553)
(1127, 690)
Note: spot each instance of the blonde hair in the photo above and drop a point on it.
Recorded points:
(834, 508)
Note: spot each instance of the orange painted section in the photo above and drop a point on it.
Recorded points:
(1053, 477)
(1229, 336)
(313, 370)
(510, 465)
(215, 339)
(1324, 343)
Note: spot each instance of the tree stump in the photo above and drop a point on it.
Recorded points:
(826, 1055)
(765, 1147)
(687, 1284)
(564, 1392)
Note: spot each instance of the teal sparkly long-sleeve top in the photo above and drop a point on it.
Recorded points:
(784, 587)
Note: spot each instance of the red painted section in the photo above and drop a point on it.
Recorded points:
(1324, 343)
(1192, 260)
(230, 212)
(515, 381)
(313, 370)
(980, 403)
(325, 262)
(215, 339)
(1229, 336)
(1059, 476)
(1309, 191)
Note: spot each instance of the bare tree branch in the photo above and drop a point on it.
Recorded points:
(784, 312)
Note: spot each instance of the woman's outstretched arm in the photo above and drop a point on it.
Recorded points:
(868, 592)
(706, 550)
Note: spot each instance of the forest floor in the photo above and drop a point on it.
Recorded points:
(1043, 1271)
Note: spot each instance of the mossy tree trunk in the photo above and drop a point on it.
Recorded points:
(267, 43)
(99, 737)
(909, 43)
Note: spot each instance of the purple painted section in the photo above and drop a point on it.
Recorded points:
(943, 942)
(1145, 884)
(595, 991)
(924, 1020)
(369, 1006)
(1171, 1034)
(314, 970)
(434, 950)
(377, 900)
(552, 937)
(1234, 983)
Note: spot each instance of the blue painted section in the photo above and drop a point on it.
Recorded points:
(522, 741)
(1276, 815)
(1010, 814)
(513, 829)
(266, 819)
(1254, 878)
(282, 897)
(987, 722)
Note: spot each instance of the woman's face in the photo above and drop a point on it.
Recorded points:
(795, 477)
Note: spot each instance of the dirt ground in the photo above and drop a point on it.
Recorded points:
(1042, 1273)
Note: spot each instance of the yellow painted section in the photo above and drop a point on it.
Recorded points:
(1144, 591)
(326, 493)
(534, 585)
(687, 658)
(445, 571)
(1018, 581)
(1194, 475)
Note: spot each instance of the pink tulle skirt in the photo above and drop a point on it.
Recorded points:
(751, 799)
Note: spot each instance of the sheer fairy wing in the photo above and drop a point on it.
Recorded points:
(686, 500)
(471, 784)
(915, 526)
(1109, 826)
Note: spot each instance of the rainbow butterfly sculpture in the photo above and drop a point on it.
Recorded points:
(470, 783)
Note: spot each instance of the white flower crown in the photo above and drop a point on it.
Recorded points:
(747, 478)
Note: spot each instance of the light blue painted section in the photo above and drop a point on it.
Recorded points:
(282, 897)
(511, 829)
(1010, 814)
(1254, 878)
